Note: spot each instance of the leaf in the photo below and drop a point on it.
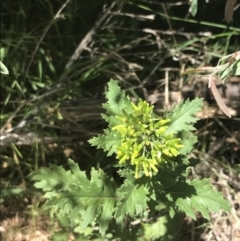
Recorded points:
(54, 178)
(108, 141)
(233, 70)
(229, 9)
(157, 229)
(236, 68)
(117, 101)
(218, 98)
(188, 141)
(182, 117)
(226, 72)
(194, 7)
(9, 191)
(3, 53)
(133, 200)
(3, 68)
(198, 196)
(81, 199)
(204, 69)
(168, 175)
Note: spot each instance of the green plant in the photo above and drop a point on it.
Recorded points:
(154, 159)
(3, 68)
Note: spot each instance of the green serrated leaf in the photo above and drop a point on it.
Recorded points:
(188, 141)
(133, 200)
(169, 175)
(117, 101)
(183, 116)
(107, 141)
(53, 178)
(106, 215)
(194, 7)
(72, 193)
(111, 120)
(184, 206)
(74, 167)
(197, 196)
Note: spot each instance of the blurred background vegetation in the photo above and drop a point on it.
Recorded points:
(61, 54)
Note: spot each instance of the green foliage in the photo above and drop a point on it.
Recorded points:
(182, 116)
(108, 142)
(133, 198)
(194, 7)
(9, 191)
(197, 196)
(100, 200)
(3, 68)
(116, 102)
(72, 193)
(144, 139)
(124, 45)
(232, 70)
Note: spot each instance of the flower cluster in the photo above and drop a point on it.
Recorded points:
(144, 141)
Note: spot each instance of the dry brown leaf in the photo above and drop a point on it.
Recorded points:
(218, 98)
(229, 9)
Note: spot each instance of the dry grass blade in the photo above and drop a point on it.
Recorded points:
(89, 35)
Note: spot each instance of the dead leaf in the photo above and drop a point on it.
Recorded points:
(218, 98)
(229, 9)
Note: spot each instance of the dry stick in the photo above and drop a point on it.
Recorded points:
(175, 43)
(17, 162)
(227, 131)
(158, 41)
(57, 15)
(167, 88)
(157, 66)
(136, 16)
(11, 117)
(88, 37)
(169, 23)
(178, 3)
(161, 60)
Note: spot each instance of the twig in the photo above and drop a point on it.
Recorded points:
(11, 117)
(88, 37)
(57, 15)
(161, 60)
(135, 16)
(167, 89)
